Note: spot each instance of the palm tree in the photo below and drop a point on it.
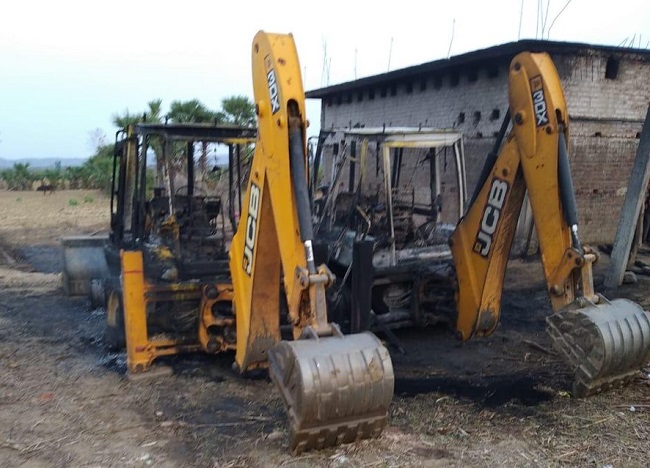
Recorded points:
(153, 114)
(75, 177)
(54, 175)
(239, 110)
(194, 111)
(23, 176)
(125, 119)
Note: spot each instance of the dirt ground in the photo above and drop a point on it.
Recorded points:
(65, 401)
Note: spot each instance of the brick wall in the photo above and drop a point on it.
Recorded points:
(601, 170)
(606, 118)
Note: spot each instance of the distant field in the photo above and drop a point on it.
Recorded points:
(29, 217)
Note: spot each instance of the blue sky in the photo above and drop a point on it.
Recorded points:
(67, 66)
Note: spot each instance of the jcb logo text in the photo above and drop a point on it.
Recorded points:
(539, 101)
(273, 90)
(491, 215)
(251, 228)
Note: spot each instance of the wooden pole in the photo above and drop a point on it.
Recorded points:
(634, 198)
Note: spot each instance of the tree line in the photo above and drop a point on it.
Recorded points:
(96, 171)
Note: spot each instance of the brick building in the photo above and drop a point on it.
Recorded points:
(607, 90)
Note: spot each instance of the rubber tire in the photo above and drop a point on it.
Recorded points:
(114, 333)
(97, 293)
(339, 307)
(377, 301)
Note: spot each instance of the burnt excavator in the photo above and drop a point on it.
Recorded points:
(457, 275)
(337, 387)
(175, 279)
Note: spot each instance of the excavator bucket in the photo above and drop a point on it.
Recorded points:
(606, 343)
(336, 389)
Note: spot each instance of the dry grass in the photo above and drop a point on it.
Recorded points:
(210, 417)
(29, 218)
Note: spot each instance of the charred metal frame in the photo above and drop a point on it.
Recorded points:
(399, 138)
(233, 136)
(414, 267)
(204, 283)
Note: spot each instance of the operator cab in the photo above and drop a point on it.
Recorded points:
(403, 192)
(168, 203)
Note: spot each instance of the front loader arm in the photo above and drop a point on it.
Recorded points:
(604, 341)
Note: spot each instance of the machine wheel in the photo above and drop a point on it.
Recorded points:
(114, 334)
(379, 306)
(338, 305)
(97, 293)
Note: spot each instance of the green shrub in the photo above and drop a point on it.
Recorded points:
(88, 199)
(19, 199)
(73, 202)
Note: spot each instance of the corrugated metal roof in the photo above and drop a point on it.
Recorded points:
(476, 58)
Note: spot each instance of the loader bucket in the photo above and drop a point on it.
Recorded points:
(336, 389)
(606, 343)
(83, 261)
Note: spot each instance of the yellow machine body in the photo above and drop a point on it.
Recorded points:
(138, 294)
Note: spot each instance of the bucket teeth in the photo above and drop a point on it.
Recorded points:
(336, 390)
(606, 343)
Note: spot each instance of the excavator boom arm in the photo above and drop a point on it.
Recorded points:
(605, 342)
(269, 220)
(528, 161)
(336, 388)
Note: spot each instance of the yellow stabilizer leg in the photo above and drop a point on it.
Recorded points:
(139, 354)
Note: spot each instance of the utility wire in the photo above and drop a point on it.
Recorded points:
(539, 5)
(548, 34)
(451, 41)
(521, 15)
(548, 7)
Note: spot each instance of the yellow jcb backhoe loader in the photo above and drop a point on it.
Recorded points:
(337, 388)
(174, 281)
